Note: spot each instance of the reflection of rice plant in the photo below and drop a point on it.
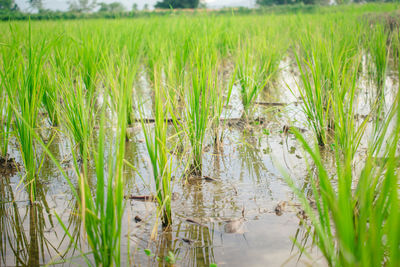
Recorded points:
(156, 144)
(27, 244)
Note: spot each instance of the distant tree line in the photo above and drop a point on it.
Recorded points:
(80, 9)
(165, 4)
(8, 5)
(86, 6)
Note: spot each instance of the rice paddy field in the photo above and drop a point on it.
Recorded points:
(202, 140)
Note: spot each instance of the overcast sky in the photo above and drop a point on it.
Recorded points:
(63, 4)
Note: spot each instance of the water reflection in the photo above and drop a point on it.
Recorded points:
(250, 156)
(25, 227)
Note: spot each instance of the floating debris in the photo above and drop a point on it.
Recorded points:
(280, 208)
(235, 226)
(137, 219)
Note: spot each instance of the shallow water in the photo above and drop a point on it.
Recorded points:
(230, 221)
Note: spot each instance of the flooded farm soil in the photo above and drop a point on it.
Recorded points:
(244, 214)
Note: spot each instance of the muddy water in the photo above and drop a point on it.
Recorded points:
(244, 215)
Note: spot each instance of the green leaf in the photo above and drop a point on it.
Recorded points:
(148, 252)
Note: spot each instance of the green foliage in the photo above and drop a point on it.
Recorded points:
(158, 149)
(36, 4)
(82, 5)
(84, 77)
(290, 2)
(325, 65)
(177, 4)
(8, 5)
(22, 77)
(198, 102)
(112, 7)
(357, 227)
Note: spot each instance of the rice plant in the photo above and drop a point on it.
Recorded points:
(102, 208)
(379, 48)
(120, 79)
(198, 105)
(325, 65)
(79, 77)
(25, 91)
(158, 150)
(77, 113)
(251, 75)
(357, 226)
(6, 113)
(50, 97)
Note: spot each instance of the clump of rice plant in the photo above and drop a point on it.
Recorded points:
(198, 105)
(158, 150)
(23, 84)
(6, 113)
(323, 66)
(252, 75)
(220, 98)
(90, 56)
(379, 53)
(77, 112)
(50, 97)
(357, 219)
(102, 207)
(120, 78)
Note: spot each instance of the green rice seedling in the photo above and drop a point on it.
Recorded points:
(347, 133)
(220, 98)
(357, 226)
(50, 97)
(324, 65)
(379, 53)
(89, 56)
(101, 208)
(6, 113)
(120, 79)
(270, 47)
(25, 91)
(156, 48)
(77, 113)
(158, 150)
(179, 45)
(316, 100)
(252, 75)
(198, 104)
